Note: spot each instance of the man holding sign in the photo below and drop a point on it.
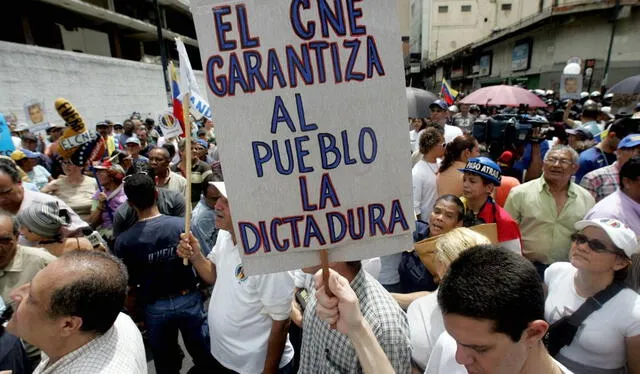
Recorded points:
(248, 315)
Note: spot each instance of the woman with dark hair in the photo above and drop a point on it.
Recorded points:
(456, 154)
(41, 223)
(417, 125)
(608, 341)
(425, 190)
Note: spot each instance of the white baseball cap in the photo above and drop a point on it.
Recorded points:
(220, 186)
(620, 234)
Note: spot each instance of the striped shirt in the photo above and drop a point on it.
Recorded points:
(602, 182)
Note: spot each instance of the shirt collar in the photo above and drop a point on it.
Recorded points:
(544, 186)
(16, 265)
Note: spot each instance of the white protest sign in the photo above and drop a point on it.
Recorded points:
(310, 121)
(169, 125)
(570, 86)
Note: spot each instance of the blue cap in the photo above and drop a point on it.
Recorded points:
(484, 167)
(203, 143)
(439, 103)
(629, 141)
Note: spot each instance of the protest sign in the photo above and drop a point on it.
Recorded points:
(34, 112)
(199, 107)
(311, 115)
(169, 125)
(570, 86)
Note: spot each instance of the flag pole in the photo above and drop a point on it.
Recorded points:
(186, 103)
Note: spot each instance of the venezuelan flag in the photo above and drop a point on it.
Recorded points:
(448, 94)
(175, 95)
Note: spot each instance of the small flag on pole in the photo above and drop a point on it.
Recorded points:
(448, 94)
(176, 95)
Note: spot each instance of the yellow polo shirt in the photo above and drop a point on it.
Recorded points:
(546, 235)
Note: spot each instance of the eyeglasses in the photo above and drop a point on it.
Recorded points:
(561, 161)
(595, 244)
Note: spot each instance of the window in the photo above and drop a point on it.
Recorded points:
(465, 8)
(443, 9)
(506, 6)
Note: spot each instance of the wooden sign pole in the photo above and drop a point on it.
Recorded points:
(186, 103)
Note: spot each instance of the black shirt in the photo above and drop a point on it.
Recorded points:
(148, 249)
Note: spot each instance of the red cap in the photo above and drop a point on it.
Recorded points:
(505, 157)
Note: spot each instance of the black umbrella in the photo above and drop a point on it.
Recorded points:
(418, 102)
(630, 85)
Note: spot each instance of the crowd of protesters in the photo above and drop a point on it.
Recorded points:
(91, 257)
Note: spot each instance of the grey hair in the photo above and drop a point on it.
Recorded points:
(14, 221)
(563, 148)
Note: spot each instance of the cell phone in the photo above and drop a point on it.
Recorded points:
(95, 239)
(302, 296)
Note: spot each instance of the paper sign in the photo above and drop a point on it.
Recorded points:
(311, 114)
(169, 125)
(570, 86)
(34, 112)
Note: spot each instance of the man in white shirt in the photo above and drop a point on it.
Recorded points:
(492, 304)
(71, 311)
(248, 315)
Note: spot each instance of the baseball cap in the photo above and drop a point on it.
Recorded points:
(53, 126)
(505, 158)
(20, 154)
(133, 140)
(102, 124)
(581, 132)
(629, 141)
(484, 167)
(220, 186)
(607, 110)
(440, 104)
(29, 136)
(202, 143)
(21, 127)
(117, 125)
(620, 234)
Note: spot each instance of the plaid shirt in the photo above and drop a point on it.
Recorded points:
(602, 182)
(119, 350)
(328, 351)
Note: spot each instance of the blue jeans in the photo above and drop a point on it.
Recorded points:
(163, 319)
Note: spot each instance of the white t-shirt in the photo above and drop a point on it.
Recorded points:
(426, 325)
(451, 132)
(414, 139)
(443, 358)
(242, 309)
(425, 188)
(600, 340)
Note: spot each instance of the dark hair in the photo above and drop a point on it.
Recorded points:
(423, 123)
(165, 152)
(591, 114)
(8, 167)
(429, 138)
(619, 127)
(140, 190)
(455, 148)
(14, 221)
(630, 169)
(453, 199)
(96, 295)
(489, 282)
(149, 122)
(170, 148)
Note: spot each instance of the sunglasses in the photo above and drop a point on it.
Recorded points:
(595, 244)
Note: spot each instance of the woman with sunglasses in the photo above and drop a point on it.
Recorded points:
(608, 341)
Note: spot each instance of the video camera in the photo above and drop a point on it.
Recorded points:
(508, 131)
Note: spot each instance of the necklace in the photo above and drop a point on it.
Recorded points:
(148, 218)
(429, 165)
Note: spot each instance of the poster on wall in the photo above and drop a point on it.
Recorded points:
(570, 86)
(306, 102)
(485, 65)
(521, 56)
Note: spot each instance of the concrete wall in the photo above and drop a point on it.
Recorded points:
(99, 87)
(585, 37)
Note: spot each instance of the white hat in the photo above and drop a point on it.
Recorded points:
(608, 96)
(220, 186)
(595, 93)
(584, 94)
(607, 111)
(550, 92)
(21, 127)
(620, 234)
(453, 109)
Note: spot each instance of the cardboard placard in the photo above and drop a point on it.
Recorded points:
(310, 116)
(570, 86)
(169, 125)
